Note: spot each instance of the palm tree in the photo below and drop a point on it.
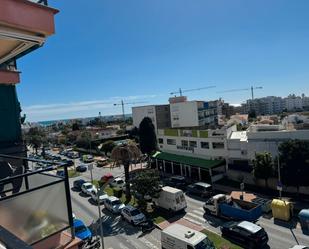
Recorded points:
(124, 154)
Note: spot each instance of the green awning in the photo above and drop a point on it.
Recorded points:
(193, 161)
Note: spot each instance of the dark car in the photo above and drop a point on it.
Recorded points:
(78, 184)
(178, 182)
(200, 188)
(60, 173)
(245, 233)
(68, 162)
(81, 168)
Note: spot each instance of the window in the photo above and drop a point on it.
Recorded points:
(175, 117)
(184, 143)
(160, 140)
(204, 145)
(218, 145)
(193, 144)
(171, 141)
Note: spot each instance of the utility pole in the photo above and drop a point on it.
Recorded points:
(123, 114)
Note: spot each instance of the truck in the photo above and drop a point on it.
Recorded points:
(177, 236)
(171, 199)
(223, 206)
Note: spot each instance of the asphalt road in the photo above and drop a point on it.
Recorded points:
(119, 234)
(281, 236)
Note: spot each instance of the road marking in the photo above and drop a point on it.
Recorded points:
(201, 213)
(148, 243)
(122, 246)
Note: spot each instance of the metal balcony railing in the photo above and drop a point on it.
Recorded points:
(34, 204)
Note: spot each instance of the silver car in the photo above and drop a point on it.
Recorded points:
(113, 204)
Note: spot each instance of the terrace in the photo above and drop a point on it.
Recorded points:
(35, 206)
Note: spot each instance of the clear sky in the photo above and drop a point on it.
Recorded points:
(141, 50)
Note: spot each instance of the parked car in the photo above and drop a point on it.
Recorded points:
(98, 197)
(147, 225)
(132, 215)
(87, 158)
(60, 172)
(178, 182)
(245, 233)
(87, 187)
(68, 162)
(113, 204)
(117, 183)
(78, 184)
(299, 247)
(102, 163)
(81, 231)
(81, 168)
(107, 177)
(200, 188)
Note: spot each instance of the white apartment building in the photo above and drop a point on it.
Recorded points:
(292, 103)
(159, 114)
(238, 148)
(192, 114)
(207, 144)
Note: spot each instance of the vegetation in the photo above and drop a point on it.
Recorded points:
(220, 242)
(147, 137)
(294, 163)
(84, 140)
(108, 146)
(263, 166)
(146, 182)
(73, 173)
(123, 155)
(35, 138)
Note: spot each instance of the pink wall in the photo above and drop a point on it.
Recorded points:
(9, 77)
(29, 16)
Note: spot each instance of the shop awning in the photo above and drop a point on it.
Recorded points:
(193, 161)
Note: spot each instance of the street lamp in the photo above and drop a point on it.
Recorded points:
(90, 168)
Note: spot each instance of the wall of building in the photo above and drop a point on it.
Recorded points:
(209, 144)
(184, 114)
(140, 112)
(163, 116)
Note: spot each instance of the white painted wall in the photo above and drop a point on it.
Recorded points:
(184, 114)
(140, 112)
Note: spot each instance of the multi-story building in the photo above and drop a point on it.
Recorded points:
(159, 114)
(265, 106)
(192, 114)
(293, 103)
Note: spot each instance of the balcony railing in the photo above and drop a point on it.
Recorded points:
(34, 205)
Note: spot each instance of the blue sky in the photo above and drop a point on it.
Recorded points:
(141, 50)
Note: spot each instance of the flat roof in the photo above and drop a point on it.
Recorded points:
(249, 226)
(193, 161)
(171, 190)
(179, 231)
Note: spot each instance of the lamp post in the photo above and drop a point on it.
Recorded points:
(90, 168)
(279, 186)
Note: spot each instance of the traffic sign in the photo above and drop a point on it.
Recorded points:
(90, 166)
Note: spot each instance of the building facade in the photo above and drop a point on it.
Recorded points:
(159, 115)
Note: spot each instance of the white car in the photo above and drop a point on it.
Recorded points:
(299, 247)
(87, 187)
(117, 183)
(132, 215)
(98, 197)
(113, 204)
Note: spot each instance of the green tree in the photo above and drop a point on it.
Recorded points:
(108, 146)
(263, 166)
(124, 154)
(35, 138)
(147, 137)
(294, 163)
(146, 182)
(84, 140)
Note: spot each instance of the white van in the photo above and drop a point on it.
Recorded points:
(171, 199)
(177, 236)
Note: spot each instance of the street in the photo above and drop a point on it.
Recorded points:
(120, 234)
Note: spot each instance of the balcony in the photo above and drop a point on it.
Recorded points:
(24, 26)
(35, 206)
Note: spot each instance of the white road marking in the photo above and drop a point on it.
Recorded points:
(148, 243)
